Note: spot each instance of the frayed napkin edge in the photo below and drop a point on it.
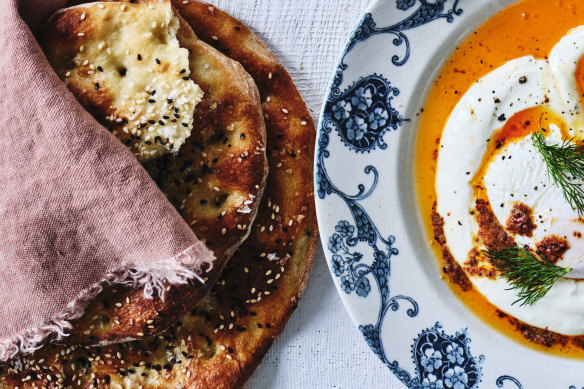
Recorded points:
(153, 277)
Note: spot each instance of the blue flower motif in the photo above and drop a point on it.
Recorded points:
(345, 229)
(356, 128)
(323, 183)
(431, 360)
(342, 110)
(432, 382)
(347, 284)
(405, 4)
(335, 243)
(372, 337)
(378, 118)
(338, 265)
(455, 353)
(456, 378)
(363, 287)
(363, 98)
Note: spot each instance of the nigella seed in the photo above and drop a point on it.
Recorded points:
(153, 92)
(161, 122)
(99, 68)
(169, 101)
(96, 85)
(151, 101)
(184, 125)
(176, 115)
(186, 78)
(165, 117)
(148, 142)
(157, 61)
(139, 57)
(183, 71)
(123, 71)
(151, 122)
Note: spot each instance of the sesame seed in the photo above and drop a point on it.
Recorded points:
(101, 6)
(153, 24)
(81, 48)
(214, 38)
(83, 16)
(109, 50)
(303, 123)
(223, 231)
(185, 2)
(270, 76)
(140, 334)
(80, 34)
(119, 305)
(85, 62)
(124, 7)
(67, 74)
(285, 110)
(101, 45)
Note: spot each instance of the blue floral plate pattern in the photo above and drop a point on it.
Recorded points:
(371, 230)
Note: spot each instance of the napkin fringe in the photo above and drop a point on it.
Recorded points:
(153, 277)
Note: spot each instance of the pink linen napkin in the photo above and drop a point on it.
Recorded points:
(76, 207)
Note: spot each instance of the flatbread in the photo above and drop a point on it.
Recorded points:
(215, 181)
(125, 65)
(221, 341)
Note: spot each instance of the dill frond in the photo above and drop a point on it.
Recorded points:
(532, 277)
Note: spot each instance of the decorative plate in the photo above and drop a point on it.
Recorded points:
(372, 235)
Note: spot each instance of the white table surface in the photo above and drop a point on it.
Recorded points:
(321, 347)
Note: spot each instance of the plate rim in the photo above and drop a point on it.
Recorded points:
(472, 365)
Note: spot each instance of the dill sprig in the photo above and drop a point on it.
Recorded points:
(525, 272)
(565, 165)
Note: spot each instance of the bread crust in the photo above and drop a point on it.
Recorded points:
(223, 339)
(291, 140)
(215, 181)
